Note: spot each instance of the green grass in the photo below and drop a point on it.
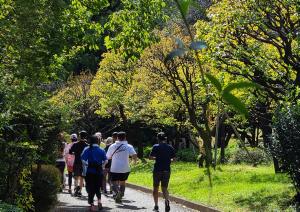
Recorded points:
(235, 187)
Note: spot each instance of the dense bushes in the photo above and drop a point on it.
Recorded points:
(46, 183)
(15, 161)
(188, 155)
(286, 142)
(9, 208)
(257, 156)
(27, 138)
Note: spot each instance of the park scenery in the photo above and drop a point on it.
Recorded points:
(199, 99)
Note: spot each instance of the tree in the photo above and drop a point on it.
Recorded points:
(111, 83)
(131, 28)
(257, 41)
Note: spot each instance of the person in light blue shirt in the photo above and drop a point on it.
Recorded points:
(94, 159)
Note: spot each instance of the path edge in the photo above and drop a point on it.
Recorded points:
(181, 201)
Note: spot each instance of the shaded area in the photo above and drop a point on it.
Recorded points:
(260, 201)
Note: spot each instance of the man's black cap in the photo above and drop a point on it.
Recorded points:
(161, 136)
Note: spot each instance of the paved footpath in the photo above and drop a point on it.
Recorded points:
(133, 201)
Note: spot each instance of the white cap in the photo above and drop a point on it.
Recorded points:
(74, 136)
(98, 134)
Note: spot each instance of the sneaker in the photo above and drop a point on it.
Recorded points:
(79, 194)
(76, 191)
(100, 206)
(92, 208)
(167, 205)
(155, 208)
(118, 198)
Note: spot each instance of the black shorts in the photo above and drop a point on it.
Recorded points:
(77, 170)
(162, 177)
(119, 176)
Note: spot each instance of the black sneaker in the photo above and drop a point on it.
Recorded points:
(79, 194)
(167, 206)
(118, 198)
(76, 191)
(155, 208)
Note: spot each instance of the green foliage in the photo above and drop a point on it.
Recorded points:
(147, 151)
(245, 40)
(285, 143)
(132, 26)
(183, 6)
(187, 155)
(257, 156)
(24, 198)
(226, 95)
(9, 208)
(15, 159)
(46, 184)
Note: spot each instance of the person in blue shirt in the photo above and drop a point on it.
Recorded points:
(163, 154)
(94, 158)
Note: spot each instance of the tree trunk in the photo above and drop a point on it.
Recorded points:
(222, 154)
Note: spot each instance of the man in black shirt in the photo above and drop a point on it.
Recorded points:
(163, 154)
(77, 149)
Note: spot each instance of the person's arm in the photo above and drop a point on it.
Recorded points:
(173, 155)
(132, 154)
(71, 150)
(104, 159)
(109, 152)
(84, 154)
(152, 155)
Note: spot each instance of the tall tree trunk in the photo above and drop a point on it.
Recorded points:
(267, 133)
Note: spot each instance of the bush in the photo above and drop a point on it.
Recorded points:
(46, 184)
(9, 208)
(146, 151)
(257, 156)
(187, 155)
(285, 142)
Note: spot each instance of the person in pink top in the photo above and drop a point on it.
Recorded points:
(70, 160)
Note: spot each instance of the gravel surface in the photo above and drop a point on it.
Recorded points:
(133, 201)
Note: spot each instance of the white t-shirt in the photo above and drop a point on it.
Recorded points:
(120, 159)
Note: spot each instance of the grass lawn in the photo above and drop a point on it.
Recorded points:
(235, 187)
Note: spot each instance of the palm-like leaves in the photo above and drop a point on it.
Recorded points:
(227, 96)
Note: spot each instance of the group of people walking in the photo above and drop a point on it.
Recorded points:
(87, 161)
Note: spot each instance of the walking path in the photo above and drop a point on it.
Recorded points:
(133, 201)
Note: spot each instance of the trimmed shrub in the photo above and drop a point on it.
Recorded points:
(187, 155)
(46, 184)
(257, 156)
(9, 208)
